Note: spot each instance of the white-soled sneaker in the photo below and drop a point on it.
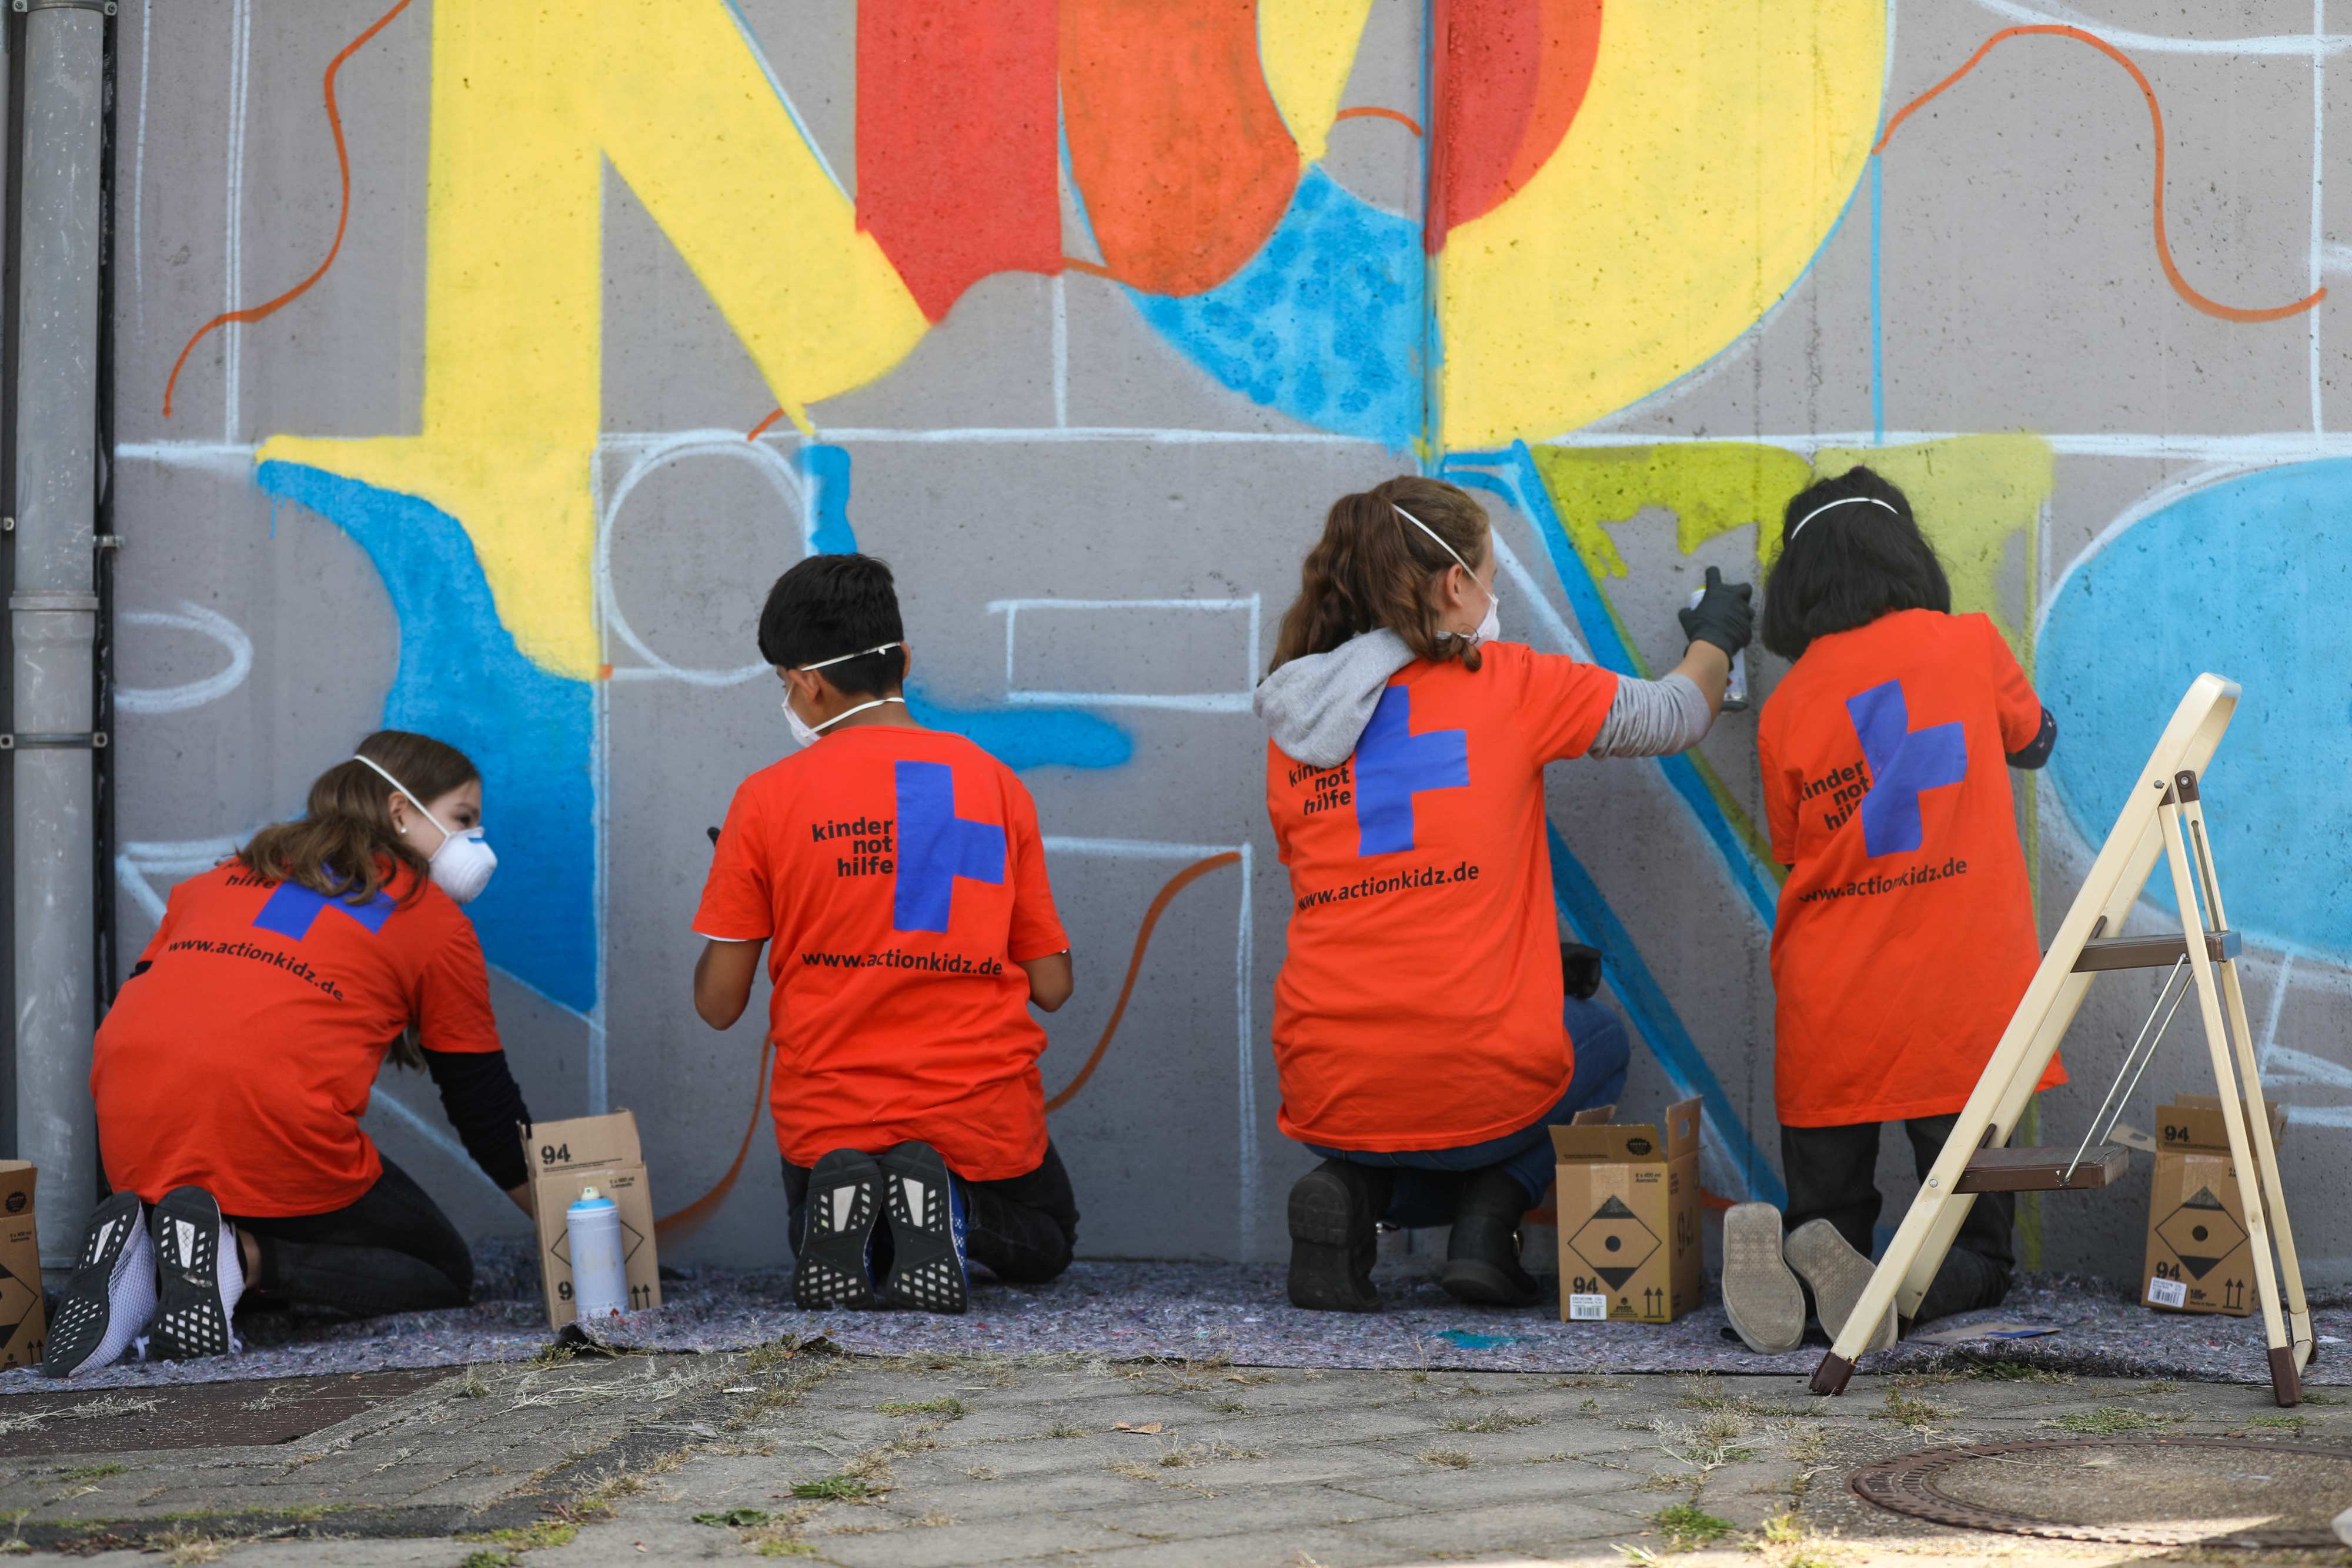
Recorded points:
(104, 1308)
(1760, 1296)
(199, 1278)
(1837, 1275)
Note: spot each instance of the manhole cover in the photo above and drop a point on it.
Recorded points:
(2148, 1491)
(195, 1415)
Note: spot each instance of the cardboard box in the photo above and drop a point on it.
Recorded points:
(24, 1319)
(1627, 1201)
(2198, 1259)
(602, 1152)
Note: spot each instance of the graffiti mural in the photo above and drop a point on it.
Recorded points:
(479, 364)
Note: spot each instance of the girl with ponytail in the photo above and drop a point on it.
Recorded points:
(231, 1074)
(1422, 1029)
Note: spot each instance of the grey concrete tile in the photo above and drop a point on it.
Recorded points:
(1250, 1511)
(1531, 1524)
(991, 1541)
(1439, 1487)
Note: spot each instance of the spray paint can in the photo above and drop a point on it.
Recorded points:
(1735, 692)
(599, 1285)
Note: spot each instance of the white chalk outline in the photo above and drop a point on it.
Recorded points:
(233, 269)
(2317, 42)
(189, 617)
(1189, 702)
(695, 443)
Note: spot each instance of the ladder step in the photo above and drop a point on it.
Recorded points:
(2042, 1170)
(2150, 953)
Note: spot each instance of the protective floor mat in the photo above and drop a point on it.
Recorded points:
(1200, 1310)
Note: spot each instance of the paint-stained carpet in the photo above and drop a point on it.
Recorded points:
(1202, 1311)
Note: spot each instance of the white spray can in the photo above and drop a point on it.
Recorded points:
(600, 1284)
(1735, 693)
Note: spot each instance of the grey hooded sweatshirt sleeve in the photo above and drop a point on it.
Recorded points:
(1316, 707)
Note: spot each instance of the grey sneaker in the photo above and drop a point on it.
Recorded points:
(1837, 1275)
(1760, 1296)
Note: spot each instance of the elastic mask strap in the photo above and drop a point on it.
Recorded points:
(1448, 548)
(446, 834)
(845, 658)
(861, 707)
(1833, 505)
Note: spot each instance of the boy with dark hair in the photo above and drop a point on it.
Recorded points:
(897, 874)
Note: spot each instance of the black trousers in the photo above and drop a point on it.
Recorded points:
(392, 1251)
(1832, 1174)
(1020, 1229)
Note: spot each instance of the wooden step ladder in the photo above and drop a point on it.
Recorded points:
(2164, 814)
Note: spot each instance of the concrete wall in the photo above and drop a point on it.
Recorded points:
(1080, 314)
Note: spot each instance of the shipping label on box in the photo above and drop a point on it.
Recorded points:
(565, 1158)
(24, 1321)
(2198, 1259)
(1627, 1201)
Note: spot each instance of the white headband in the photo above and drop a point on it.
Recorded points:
(1831, 506)
(1424, 527)
(845, 658)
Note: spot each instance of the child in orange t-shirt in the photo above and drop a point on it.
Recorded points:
(1420, 1028)
(1906, 931)
(897, 876)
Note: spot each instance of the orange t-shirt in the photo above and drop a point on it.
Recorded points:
(1905, 930)
(898, 877)
(242, 1060)
(1419, 1003)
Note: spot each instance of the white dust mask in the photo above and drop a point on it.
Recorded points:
(804, 733)
(461, 867)
(1490, 625)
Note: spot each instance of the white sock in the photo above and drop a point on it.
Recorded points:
(130, 1299)
(231, 1272)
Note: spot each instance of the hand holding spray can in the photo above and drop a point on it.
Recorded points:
(1735, 692)
(600, 1284)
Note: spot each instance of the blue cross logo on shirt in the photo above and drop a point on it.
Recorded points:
(936, 846)
(1904, 764)
(1394, 765)
(293, 909)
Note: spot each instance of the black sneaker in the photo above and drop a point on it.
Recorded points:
(104, 1308)
(926, 1232)
(1334, 1209)
(1482, 1254)
(833, 1266)
(196, 1285)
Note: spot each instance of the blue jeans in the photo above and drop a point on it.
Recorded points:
(1429, 1180)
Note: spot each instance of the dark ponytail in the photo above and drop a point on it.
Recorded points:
(1372, 569)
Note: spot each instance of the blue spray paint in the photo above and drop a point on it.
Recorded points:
(2248, 579)
(462, 680)
(1324, 323)
(826, 469)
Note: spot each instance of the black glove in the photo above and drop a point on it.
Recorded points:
(1579, 969)
(1724, 617)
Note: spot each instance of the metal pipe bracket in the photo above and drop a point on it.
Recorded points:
(96, 740)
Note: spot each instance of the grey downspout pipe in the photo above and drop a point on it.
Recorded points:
(54, 608)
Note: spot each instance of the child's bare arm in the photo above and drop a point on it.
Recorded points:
(1050, 980)
(722, 980)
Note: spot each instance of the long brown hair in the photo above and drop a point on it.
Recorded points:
(344, 845)
(1372, 569)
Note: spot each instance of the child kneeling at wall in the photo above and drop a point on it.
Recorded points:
(897, 876)
(1905, 929)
